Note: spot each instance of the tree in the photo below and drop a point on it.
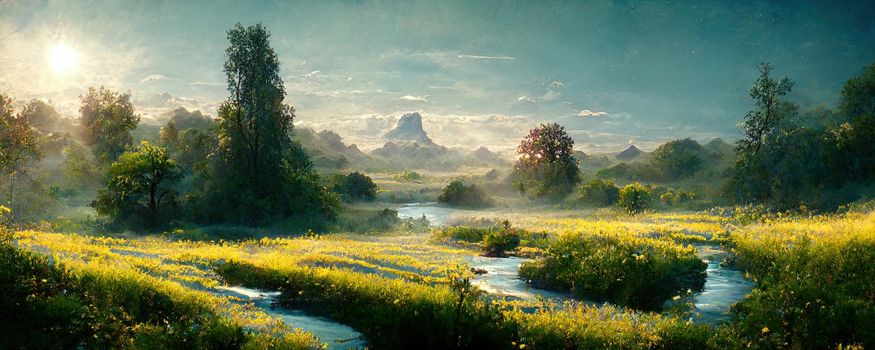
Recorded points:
(358, 186)
(750, 180)
(137, 185)
(107, 120)
(458, 194)
(546, 165)
(857, 128)
(768, 109)
(678, 159)
(258, 172)
(598, 193)
(41, 116)
(18, 144)
(634, 198)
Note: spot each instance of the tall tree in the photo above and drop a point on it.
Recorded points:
(107, 120)
(259, 172)
(137, 185)
(768, 107)
(750, 181)
(19, 143)
(546, 165)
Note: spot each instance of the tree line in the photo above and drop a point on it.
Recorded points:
(787, 158)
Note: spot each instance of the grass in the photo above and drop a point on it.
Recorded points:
(814, 283)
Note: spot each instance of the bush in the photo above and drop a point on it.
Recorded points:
(497, 242)
(673, 197)
(457, 194)
(495, 238)
(408, 176)
(634, 198)
(598, 193)
(625, 270)
(357, 187)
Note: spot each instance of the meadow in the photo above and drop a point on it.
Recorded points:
(630, 283)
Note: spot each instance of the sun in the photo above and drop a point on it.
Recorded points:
(63, 58)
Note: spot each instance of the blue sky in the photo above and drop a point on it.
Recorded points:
(480, 72)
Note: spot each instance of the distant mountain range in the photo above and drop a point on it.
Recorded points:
(407, 147)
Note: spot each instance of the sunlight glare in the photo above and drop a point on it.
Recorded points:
(63, 58)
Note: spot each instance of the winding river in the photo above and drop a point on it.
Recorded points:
(723, 286)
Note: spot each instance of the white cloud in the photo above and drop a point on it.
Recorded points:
(557, 84)
(204, 83)
(312, 74)
(154, 77)
(591, 114)
(415, 98)
(551, 95)
(480, 57)
(525, 99)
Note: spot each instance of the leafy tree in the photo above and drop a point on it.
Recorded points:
(137, 185)
(634, 198)
(41, 116)
(857, 129)
(599, 193)
(107, 120)
(768, 110)
(546, 167)
(678, 159)
(458, 194)
(258, 172)
(750, 179)
(357, 186)
(18, 144)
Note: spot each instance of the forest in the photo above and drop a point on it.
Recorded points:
(249, 229)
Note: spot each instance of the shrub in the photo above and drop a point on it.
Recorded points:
(626, 270)
(598, 193)
(357, 187)
(496, 238)
(674, 197)
(408, 176)
(458, 194)
(634, 198)
(497, 242)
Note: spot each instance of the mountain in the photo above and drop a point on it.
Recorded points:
(409, 128)
(629, 153)
(327, 150)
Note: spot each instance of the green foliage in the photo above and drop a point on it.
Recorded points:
(598, 193)
(546, 167)
(356, 187)
(496, 238)
(107, 119)
(408, 176)
(678, 159)
(18, 145)
(258, 173)
(497, 243)
(457, 194)
(674, 197)
(815, 282)
(640, 273)
(635, 198)
(138, 186)
(47, 307)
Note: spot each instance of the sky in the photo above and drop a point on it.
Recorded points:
(613, 73)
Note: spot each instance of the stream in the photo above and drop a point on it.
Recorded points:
(723, 286)
(436, 215)
(337, 336)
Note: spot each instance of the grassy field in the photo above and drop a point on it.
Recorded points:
(814, 278)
